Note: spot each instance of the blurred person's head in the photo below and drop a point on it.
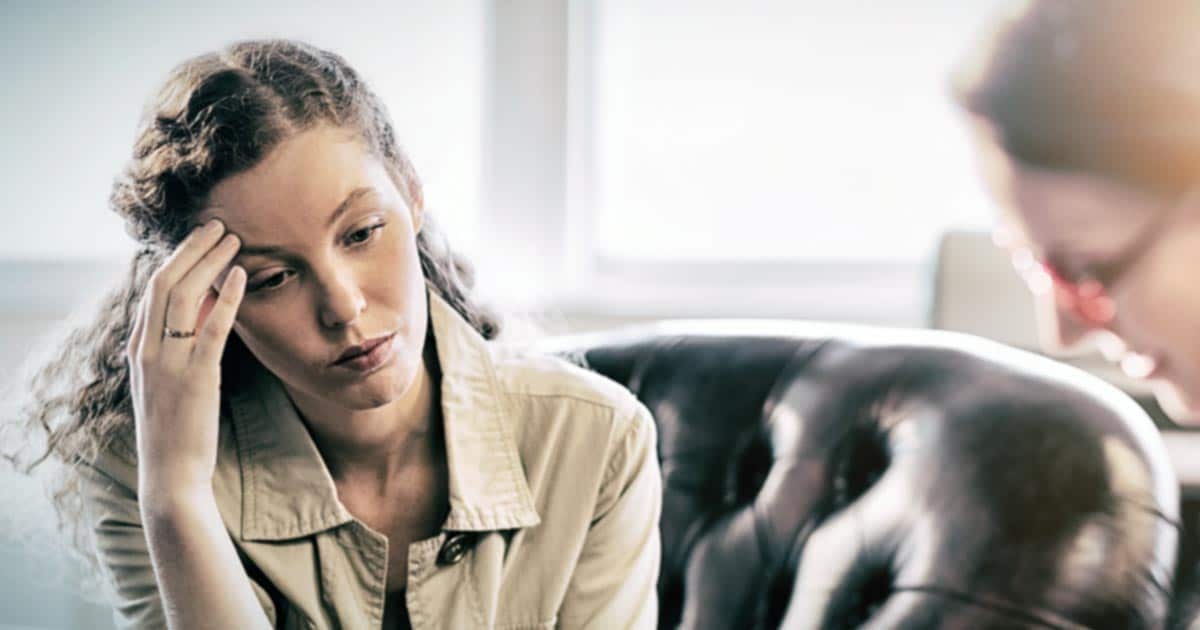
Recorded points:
(1086, 114)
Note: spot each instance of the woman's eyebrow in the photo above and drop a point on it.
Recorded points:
(346, 203)
(343, 208)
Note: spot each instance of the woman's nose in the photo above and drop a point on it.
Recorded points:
(341, 300)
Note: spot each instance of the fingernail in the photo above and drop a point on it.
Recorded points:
(213, 225)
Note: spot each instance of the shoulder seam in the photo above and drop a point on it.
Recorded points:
(568, 396)
(629, 433)
(106, 475)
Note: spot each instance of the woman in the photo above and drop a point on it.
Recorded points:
(1087, 118)
(292, 415)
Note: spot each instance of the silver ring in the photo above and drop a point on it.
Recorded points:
(179, 334)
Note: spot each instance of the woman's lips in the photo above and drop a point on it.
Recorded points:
(372, 359)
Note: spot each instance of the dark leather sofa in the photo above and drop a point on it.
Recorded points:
(828, 476)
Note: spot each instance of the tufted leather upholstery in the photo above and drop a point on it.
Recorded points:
(825, 476)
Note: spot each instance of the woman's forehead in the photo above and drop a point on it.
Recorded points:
(305, 179)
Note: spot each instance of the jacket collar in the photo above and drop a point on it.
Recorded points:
(286, 488)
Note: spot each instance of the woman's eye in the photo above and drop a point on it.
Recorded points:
(361, 236)
(274, 281)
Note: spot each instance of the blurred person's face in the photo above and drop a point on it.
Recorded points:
(1109, 265)
(316, 283)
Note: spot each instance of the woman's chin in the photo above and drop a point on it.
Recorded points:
(1182, 408)
(368, 398)
(376, 390)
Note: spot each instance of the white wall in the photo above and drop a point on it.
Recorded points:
(77, 75)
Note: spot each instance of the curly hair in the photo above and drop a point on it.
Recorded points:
(215, 115)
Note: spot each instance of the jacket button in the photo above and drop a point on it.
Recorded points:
(455, 547)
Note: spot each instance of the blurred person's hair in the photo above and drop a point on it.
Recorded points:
(1105, 87)
(215, 115)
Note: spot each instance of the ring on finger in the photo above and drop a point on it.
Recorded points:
(178, 334)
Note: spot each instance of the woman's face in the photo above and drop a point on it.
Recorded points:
(1149, 249)
(329, 249)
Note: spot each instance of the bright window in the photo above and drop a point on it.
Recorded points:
(787, 131)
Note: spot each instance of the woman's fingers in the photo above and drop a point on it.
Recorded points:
(190, 251)
(207, 303)
(211, 338)
(184, 301)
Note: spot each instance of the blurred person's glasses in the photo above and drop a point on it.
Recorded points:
(1083, 291)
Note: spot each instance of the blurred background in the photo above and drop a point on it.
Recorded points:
(602, 162)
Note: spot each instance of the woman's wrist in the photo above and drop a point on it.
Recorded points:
(164, 474)
(164, 497)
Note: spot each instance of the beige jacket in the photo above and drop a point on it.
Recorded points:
(555, 494)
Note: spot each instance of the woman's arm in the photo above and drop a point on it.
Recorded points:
(195, 562)
(174, 358)
(615, 580)
(123, 550)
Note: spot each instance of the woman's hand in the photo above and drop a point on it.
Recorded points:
(175, 381)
